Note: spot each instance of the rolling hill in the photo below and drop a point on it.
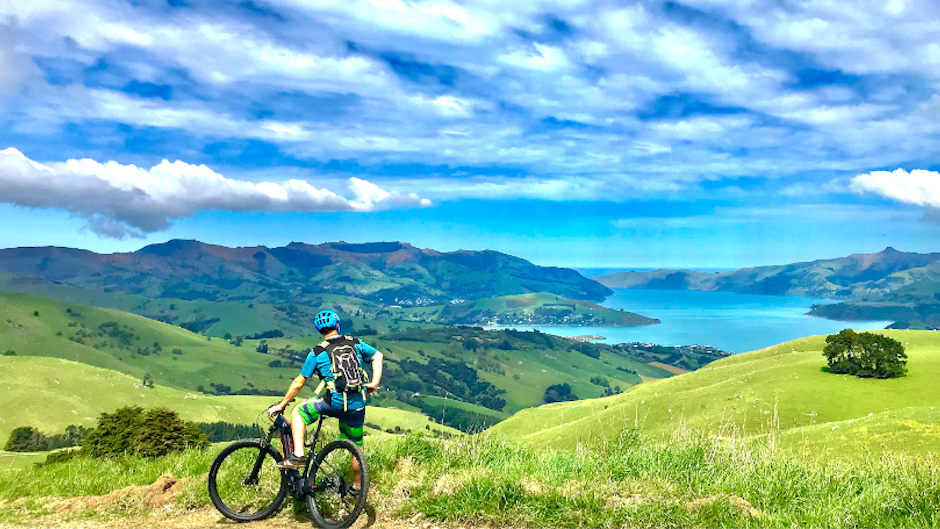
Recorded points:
(391, 273)
(131, 344)
(890, 284)
(52, 393)
(214, 318)
(483, 374)
(779, 389)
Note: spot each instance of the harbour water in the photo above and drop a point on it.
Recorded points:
(729, 321)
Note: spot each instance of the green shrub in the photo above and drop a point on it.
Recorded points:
(26, 439)
(559, 393)
(134, 431)
(865, 355)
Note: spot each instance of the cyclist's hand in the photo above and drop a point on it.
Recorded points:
(277, 408)
(371, 387)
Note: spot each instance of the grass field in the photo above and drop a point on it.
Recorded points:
(475, 481)
(201, 361)
(523, 372)
(735, 444)
(51, 393)
(781, 391)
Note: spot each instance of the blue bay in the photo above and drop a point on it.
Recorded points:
(729, 321)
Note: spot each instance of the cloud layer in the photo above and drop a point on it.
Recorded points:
(125, 200)
(918, 187)
(572, 99)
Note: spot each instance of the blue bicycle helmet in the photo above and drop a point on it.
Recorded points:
(326, 318)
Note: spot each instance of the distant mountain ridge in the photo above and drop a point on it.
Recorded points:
(385, 272)
(889, 284)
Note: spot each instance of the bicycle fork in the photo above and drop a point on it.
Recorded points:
(252, 478)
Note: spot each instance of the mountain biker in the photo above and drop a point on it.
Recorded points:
(347, 406)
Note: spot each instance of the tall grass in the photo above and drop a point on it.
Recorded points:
(82, 476)
(628, 482)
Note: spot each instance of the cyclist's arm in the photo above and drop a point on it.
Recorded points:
(376, 370)
(293, 390)
(298, 383)
(374, 357)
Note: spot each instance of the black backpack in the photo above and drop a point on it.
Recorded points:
(344, 361)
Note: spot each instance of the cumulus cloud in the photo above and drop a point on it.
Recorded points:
(125, 200)
(920, 187)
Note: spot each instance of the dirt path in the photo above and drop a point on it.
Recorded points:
(158, 509)
(209, 518)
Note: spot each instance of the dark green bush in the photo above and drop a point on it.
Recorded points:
(559, 393)
(865, 355)
(134, 431)
(26, 439)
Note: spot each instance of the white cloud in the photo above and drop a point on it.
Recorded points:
(120, 200)
(480, 83)
(868, 37)
(920, 187)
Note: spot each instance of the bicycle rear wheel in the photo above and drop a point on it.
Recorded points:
(244, 483)
(336, 504)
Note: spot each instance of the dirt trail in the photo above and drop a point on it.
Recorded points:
(207, 518)
(159, 510)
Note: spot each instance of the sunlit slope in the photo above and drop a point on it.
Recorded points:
(753, 392)
(52, 393)
(33, 326)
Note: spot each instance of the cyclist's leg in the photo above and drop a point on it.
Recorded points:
(350, 427)
(304, 413)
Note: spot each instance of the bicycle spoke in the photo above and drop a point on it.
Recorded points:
(243, 489)
(334, 505)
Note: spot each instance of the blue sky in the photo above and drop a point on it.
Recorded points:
(694, 133)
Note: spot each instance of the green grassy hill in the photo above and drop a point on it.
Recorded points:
(125, 342)
(491, 373)
(214, 318)
(521, 364)
(52, 393)
(779, 388)
(539, 308)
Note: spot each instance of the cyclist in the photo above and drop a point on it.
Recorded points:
(347, 406)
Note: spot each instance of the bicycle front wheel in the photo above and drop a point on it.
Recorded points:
(337, 502)
(244, 483)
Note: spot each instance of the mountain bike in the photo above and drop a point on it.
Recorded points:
(245, 483)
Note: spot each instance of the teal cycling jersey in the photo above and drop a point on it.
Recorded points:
(318, 363)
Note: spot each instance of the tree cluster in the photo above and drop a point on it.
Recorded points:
(559, 393)
(865, 354)
(439, 375)
(29, 439)
(218, 432)
(135, 431)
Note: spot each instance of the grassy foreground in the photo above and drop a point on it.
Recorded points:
(782, 390)
(692, 482)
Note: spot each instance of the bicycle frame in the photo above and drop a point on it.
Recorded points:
(297, 483)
